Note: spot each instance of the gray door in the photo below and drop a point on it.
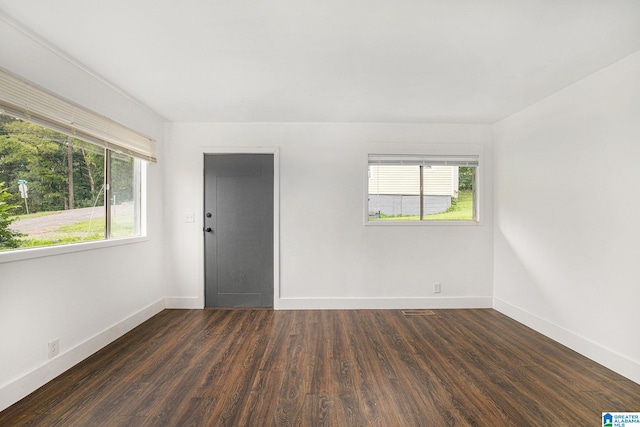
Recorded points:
(238, 230)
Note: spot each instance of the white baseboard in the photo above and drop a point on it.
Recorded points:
(616, 362)
(381, 303)
(184, 302)
(14, 391)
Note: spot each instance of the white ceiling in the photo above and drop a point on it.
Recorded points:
(472, 61)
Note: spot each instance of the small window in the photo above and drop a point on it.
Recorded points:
(413, 188)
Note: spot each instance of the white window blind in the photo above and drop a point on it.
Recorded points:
(426, 160)
(27, 101)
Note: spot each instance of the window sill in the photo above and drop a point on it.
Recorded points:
(45, 251)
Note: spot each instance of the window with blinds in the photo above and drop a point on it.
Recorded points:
(67, 174)
(417, 188)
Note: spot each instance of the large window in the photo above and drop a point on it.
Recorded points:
(65, 180)
(58, 189)
(422, 188)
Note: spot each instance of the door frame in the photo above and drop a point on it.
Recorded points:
(276, 212)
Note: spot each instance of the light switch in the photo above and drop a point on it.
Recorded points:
(188, 217)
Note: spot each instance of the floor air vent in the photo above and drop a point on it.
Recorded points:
(418, 312)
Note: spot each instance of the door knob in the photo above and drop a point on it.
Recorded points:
(208, 230)
(208, 215)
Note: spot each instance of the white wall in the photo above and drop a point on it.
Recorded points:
(84, 298)
(561, 256)
(328, 258)
(566, 216)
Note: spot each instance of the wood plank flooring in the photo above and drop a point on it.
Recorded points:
(329, 368)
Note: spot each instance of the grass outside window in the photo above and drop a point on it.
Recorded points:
(461, 209)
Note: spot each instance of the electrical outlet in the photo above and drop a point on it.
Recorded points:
(54, 348)
(437, 288)
(189, 217)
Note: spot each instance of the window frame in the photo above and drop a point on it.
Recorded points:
(20, 254)
(427, 150)
(29, 102)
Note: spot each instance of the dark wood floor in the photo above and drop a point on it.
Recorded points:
(329, 368)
